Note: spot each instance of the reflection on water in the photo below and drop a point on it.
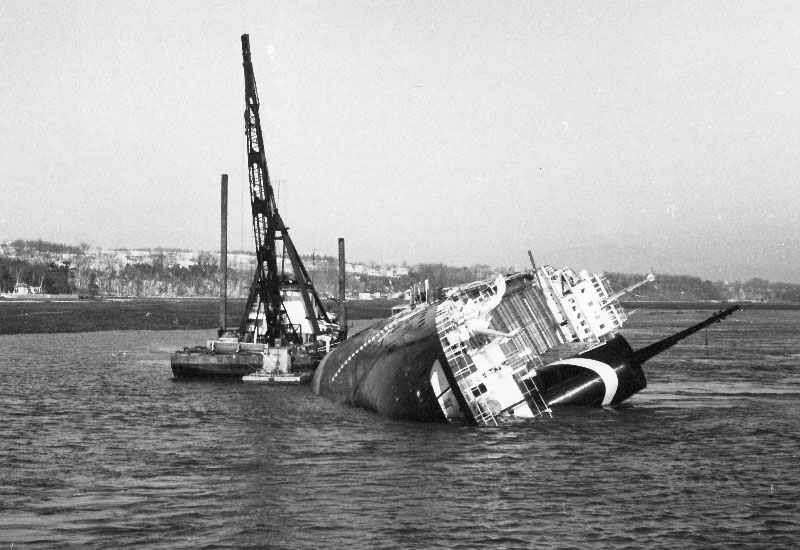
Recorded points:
(102, 448)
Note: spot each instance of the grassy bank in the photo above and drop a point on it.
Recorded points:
(203, 313)
(140, 314)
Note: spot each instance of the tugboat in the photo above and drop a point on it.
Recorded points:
(285, 329)
(478, 352)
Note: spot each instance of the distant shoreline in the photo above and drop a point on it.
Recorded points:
(381, 303)
(629, 306)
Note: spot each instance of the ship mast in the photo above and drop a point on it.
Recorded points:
(266, 299)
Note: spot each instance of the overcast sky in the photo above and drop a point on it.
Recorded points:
(602, 135)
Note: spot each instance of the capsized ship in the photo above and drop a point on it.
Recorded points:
(480, 352)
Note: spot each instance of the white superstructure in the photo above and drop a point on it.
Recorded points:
(581, 303)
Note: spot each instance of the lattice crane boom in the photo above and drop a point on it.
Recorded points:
(266, 298)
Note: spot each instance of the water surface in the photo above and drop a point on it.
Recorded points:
(101, 448)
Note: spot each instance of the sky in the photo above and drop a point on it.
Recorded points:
(611, 136)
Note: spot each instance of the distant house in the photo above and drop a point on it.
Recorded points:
(182, 259)
(138, 257)
(23, 289)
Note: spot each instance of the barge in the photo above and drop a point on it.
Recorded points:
(285, 329)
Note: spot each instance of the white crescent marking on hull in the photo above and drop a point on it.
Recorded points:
(604, 371)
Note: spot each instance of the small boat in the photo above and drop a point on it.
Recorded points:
(277, 369)
(280, 378)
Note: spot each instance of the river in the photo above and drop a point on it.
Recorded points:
(102, 448)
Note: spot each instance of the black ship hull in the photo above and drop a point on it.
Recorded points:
(386, 368)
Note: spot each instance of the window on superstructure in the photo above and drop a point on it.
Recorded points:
(479, 390)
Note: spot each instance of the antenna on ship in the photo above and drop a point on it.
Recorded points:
(530, 255)
(628, 289)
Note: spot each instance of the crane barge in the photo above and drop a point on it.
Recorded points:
(285, 328)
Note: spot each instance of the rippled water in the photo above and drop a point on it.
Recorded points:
(101, 448)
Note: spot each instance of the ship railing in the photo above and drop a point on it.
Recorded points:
(518, 360)
(523, 367)
(460, 362)
(519, 357)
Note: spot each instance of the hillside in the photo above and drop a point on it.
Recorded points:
(161, 273)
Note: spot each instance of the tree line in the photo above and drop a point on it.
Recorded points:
(85, 276)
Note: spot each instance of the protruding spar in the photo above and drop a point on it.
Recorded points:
(648, 352)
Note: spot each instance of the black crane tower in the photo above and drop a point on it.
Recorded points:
(265, 317)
